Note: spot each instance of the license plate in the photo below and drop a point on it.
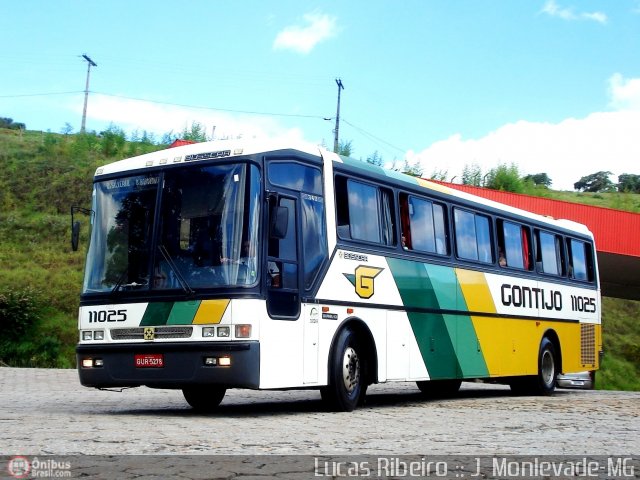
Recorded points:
(149, 360)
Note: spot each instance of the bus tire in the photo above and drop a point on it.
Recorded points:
(544, 383)
(346, 387)
(439, 388)
(204, 398)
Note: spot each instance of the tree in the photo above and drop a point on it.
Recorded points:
(472, 175)
(196, 133)
(6, 122)
(345, 148)
(628, 182)
(375, 159)
(541, 179)
(505, 178)
(112, 140)
(596, 182)
(439, 174)
(414, 170)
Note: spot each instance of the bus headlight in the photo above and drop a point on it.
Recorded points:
(98, 335)
(87, 335)
(224, 332)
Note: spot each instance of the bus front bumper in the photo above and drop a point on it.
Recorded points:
(169, 365)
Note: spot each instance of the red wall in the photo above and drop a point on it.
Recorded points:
(615, 231)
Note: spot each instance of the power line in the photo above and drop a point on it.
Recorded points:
(228, 110)
(200, 107)
(40, 94)
(374, 137)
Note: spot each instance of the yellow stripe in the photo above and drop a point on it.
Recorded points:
(510, 346)
(436, 186)
(211, 311)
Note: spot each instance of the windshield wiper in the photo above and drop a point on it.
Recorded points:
(120, 280)
(119, 283)
(183, 282)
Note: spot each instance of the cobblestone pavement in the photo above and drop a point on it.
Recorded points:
(47, 412)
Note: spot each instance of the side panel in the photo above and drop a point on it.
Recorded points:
(463, 323)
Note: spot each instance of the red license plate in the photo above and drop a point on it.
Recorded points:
(149, 360)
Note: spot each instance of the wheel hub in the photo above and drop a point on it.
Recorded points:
(350, 369)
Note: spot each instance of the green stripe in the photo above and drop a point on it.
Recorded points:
(448, 343)
(430, 329)
(156, 313)
(183, 313)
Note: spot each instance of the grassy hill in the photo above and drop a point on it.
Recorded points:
(43, 174)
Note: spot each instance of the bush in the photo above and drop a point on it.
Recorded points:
(18, 313)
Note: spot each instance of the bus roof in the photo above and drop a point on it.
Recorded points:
(242, 147)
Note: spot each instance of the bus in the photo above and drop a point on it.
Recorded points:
(272, 265)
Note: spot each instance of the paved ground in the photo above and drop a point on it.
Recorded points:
(48, 412)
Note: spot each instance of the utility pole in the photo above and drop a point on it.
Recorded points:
(335, 138)
(90, 63)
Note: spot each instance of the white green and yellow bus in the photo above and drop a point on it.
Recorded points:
(265, 265)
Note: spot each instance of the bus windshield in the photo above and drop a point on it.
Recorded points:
(204, 235)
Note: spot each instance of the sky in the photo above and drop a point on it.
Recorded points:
(551, 86)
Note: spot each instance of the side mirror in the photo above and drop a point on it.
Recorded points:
(279, 222)
(75, 235)
(75, 226)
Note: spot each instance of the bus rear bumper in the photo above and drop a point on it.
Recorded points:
(169, 365)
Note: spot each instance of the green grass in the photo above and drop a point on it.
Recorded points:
(43, 174)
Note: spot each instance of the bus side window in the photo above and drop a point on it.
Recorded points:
(580, 263)
(473, 236)
(366, 209)
(423, 225)
(513, 245)
(549, 253)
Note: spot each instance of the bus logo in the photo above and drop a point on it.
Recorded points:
(362, 279)
(149, 333)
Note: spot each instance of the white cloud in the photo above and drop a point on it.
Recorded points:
(302, 39)
(552, 9)
(565, 151)
(130, 115)
(625, 94)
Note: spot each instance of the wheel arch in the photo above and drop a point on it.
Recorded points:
(555, 340)
(362, 331)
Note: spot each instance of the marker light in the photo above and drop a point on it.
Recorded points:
(243, 331)
(224, 332)
(208, 332)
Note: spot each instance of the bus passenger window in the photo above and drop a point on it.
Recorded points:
(578, 260)
(473, 236)
(366, 209)
(549, 254)
(513, 245)
(423, 225)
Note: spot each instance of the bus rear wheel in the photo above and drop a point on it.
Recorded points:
(544, 383)
(204, 398)
(346, 385)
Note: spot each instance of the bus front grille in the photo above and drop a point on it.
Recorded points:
(159, 333)
(588, 344)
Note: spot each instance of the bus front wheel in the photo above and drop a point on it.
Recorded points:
(346, 379)
(204, 398)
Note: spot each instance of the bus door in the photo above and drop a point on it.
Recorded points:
(283, 296)
(297, 250)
